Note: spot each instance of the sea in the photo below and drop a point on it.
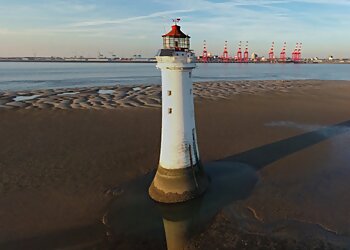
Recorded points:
(16, 76)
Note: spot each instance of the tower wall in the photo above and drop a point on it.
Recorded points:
(179, 141)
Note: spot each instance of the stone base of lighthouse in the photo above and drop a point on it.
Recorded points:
(178, 185)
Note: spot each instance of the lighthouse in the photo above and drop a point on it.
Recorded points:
(180, 175)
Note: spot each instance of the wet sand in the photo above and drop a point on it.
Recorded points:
(58, 165)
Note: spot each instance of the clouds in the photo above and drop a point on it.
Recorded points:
(76, 7)
(29, 8)
(139, 24)
(130, 19)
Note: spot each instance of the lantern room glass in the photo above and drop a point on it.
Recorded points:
(177, 43)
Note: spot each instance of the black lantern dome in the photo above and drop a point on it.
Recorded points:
(176, 39)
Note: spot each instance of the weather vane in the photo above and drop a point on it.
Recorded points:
(176, 20)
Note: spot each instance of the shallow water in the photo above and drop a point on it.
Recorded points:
(68, 93)
(25, 98)
(106, 91)
(29, 76)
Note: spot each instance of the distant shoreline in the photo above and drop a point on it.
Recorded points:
(152, 61)
(72, 61)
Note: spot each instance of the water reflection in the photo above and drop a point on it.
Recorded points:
(180, 222)
(137, 222)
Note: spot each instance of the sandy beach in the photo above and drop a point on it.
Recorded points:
(63, 153)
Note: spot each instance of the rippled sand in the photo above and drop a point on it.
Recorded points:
(136, 96)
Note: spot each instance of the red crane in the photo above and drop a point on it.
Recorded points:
(299, 53)
(225, 57)
(239, 52)
(272, 53)
(295, 53)
(205, 52)
(246, 53)
(283, 57)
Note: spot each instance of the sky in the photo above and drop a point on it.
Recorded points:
(128, 27)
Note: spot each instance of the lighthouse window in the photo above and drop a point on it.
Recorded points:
(190, 91)
(169, 92)
(190, 74)
(170, 110)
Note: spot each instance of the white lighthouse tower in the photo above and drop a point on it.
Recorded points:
(180, 175)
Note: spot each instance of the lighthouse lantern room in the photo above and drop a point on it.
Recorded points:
(176, 39)
(180, 175)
